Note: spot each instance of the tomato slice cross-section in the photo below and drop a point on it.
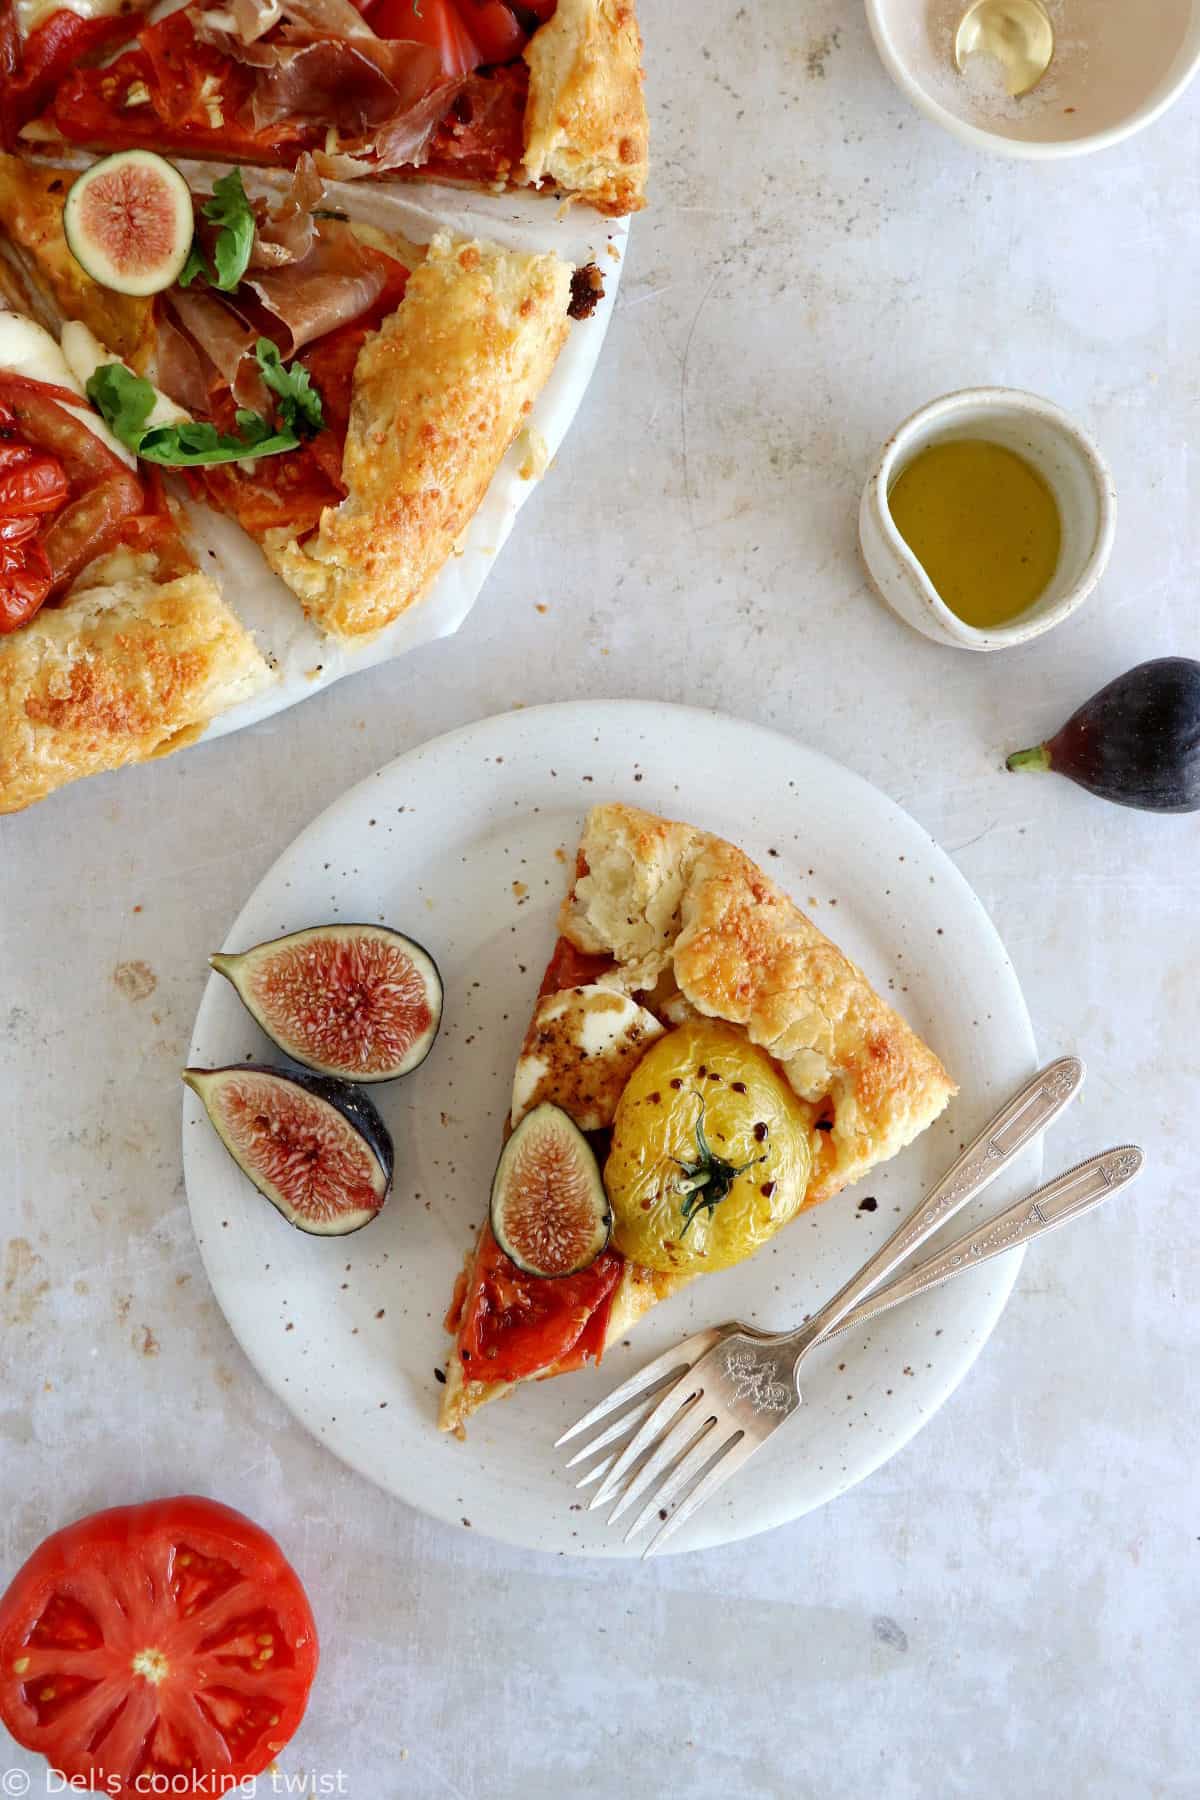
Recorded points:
(155, 1649)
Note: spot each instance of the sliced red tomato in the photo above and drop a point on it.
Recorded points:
(569, 967)
(170, 1640)
(104, 492)
(169, 62)
(495, 28)
(25, 573)
(514, 1325)
(59, 44)
(433, 22)
(33, 487)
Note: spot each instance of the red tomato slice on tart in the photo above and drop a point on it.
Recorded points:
(157, 1644)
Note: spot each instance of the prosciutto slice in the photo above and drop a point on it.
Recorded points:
(334, 285)
(181, 371)
(285, 233)
(224, 335)
(354, 87)
(207, 338)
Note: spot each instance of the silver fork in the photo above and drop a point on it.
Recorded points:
(732, 1386)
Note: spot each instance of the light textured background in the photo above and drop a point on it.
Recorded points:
(1010, 1606)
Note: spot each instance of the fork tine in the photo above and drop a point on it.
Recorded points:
(735, 1451)
(662, 1417)
(627, 1422)
(598, 1473)
(670, 1447)
(675, 1481)
(671, 1362)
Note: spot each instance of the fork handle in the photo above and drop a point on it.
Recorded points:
(1018, 1122)
(1069, 1196)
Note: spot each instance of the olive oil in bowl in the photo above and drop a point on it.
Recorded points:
(983, 524)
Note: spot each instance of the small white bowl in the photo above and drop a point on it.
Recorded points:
(1119, 64)
(1063, 455)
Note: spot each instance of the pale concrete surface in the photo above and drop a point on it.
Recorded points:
(1009, 1607)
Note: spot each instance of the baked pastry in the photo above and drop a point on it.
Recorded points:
(113, 648)
(489, 96)
(731, 1068)
(410, 369)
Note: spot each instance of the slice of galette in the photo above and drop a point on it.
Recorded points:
(728, 1067)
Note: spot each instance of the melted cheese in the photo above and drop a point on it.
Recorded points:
(582, 1047)
(85, 354)
(32, 13)
(27, 348)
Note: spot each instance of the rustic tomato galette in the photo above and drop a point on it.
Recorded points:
(344, 394)
(702, 1065)
(477, 92)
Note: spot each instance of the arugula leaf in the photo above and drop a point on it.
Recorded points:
(228, 208)
(194, 266)
(299, 402)
(125, 401)
(189, 445)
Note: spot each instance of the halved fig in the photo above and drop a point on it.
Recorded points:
(359, 1001)
(550, 1212)
(129, 222)
(317, 1149)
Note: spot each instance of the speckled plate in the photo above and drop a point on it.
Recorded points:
(466, 844)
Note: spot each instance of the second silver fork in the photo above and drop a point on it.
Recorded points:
(742, 1383)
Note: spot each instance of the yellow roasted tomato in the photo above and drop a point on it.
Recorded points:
(710, 1152)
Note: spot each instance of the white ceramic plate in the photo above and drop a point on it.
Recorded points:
(466, 844)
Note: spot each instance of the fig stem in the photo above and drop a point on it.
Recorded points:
(1038, 757)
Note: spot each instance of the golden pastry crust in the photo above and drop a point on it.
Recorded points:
(440, 392)
(31, 203)
(693, 923)
(661, 898)
(585, 118)
(116, 675)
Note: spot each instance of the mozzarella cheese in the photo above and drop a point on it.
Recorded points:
(582, 1047)
(85, 353)
(32, 13)
(27, 348)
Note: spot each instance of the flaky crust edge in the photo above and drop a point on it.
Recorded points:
(440, 393)
(671, 903)
(116, 675)
(585, 118)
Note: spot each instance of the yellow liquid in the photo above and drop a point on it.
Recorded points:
(984, 526)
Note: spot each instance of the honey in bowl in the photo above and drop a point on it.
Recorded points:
(983, 524)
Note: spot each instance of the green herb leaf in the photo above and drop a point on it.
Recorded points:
(125, 401)
(194, 266)
(230, 209)
(707, 1181)
(299, 402)
(198, 442)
